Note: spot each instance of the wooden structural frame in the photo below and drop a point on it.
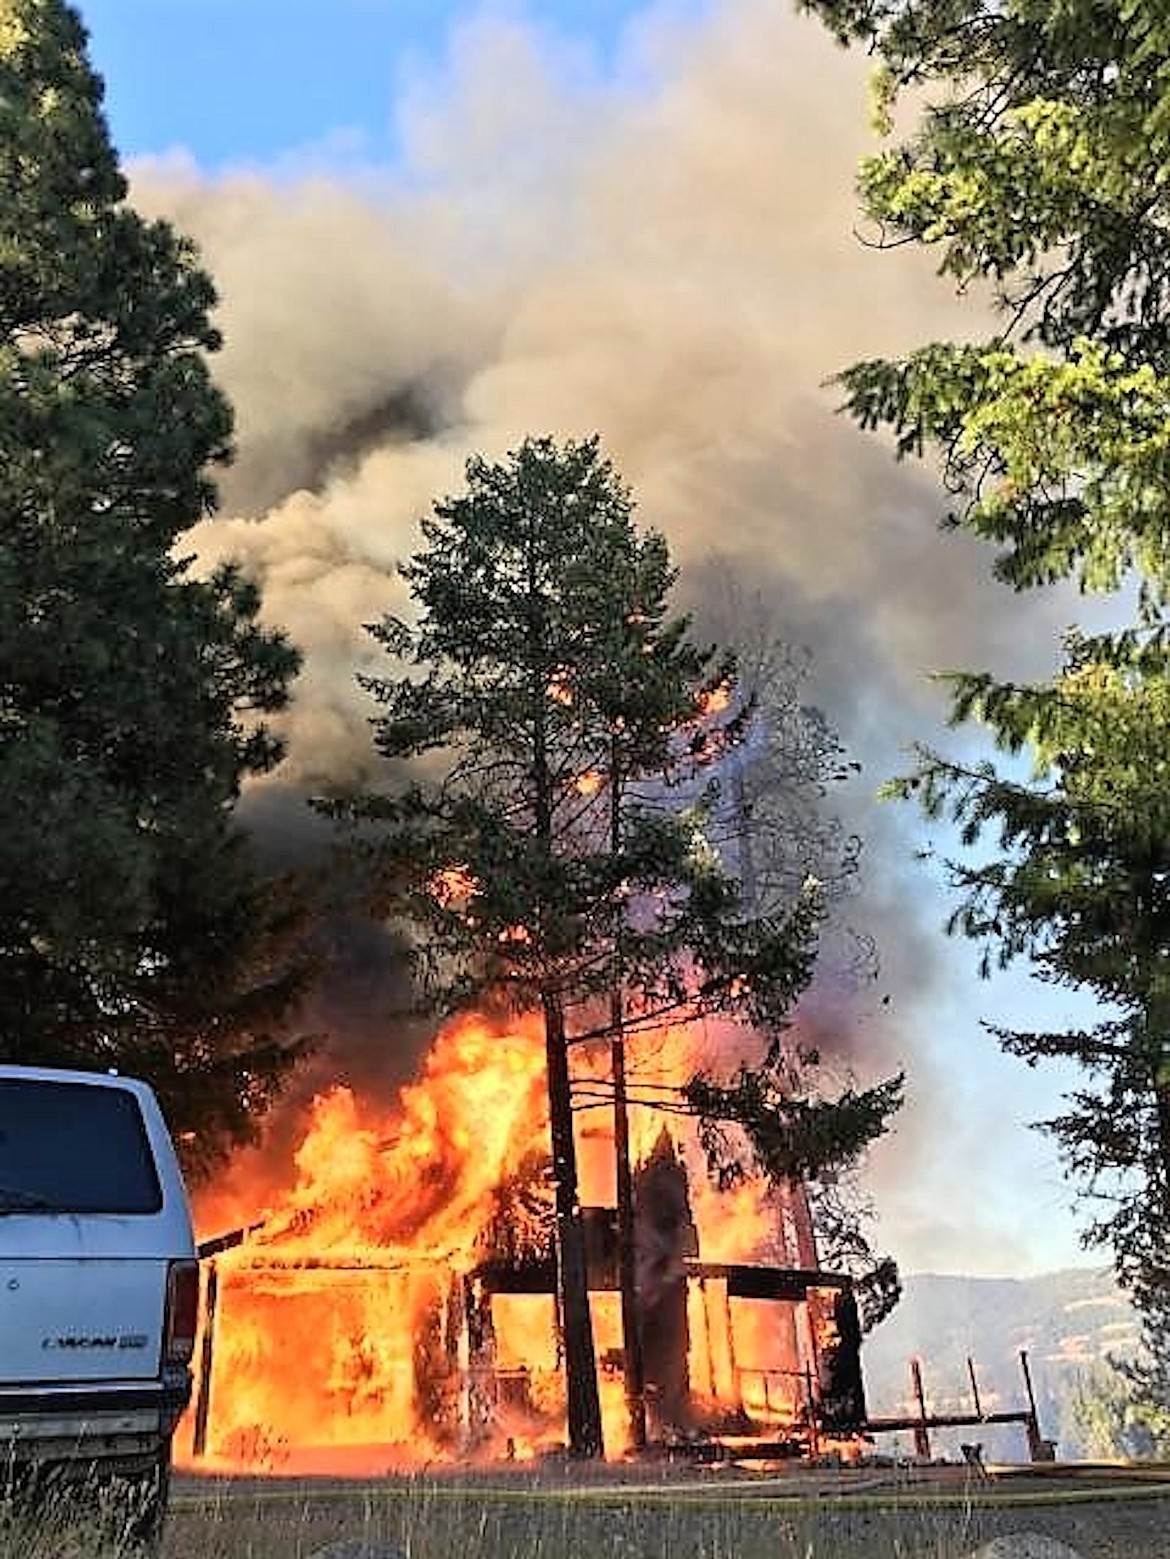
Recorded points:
(717, 1285)
(922, 1422)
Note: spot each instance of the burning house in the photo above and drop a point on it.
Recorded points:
(396, 1303)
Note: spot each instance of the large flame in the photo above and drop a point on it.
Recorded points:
(345, 1321)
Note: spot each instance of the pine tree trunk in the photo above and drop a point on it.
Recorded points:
(583, 1402)
(1162, 1107)
(1157, 1061)
(584, 1406)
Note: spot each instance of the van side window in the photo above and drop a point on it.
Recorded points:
(74, 1148)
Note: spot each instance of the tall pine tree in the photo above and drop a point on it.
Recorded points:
(134, 930)
(542, 690)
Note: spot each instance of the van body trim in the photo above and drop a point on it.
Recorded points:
(44, 1401)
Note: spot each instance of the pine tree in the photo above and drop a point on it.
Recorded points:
(133, 930)
(1036, 173)
(547, 695)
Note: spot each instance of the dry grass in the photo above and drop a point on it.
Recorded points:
(570, 1518)
(428, 1521)
(85, 1521)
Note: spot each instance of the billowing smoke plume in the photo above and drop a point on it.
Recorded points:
(668, 258)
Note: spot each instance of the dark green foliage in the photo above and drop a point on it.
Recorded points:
(842, 1215)
(544, 640)
(1038, 168)
(134, 931)
(790, 1137)
(557, 855)
(1036, 172)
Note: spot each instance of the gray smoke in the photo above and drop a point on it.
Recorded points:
(669, 259)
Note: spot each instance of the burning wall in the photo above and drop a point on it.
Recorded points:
(394, 1303)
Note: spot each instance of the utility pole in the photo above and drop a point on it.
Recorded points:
(634, 1363)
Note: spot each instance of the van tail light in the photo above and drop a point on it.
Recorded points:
(182, 1317)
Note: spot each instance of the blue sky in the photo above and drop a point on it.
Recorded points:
(260, 83)
(251, 80)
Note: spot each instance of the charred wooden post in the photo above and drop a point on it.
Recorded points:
(458, 1358)
(812, 1413)
(478, 1396)
(721, 1354)
(712, 1385)
(1039, 1449)
(732, 1362)
(206, 1360)
(974, 1387)
(455, 1324)
(842, 1401)
(921, 1429)
(665, 1238)
(430, 1376)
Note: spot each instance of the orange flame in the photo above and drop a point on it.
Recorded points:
(452, 886)
(352, 1332)
(716, 700)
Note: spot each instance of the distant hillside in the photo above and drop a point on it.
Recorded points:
(1067, 1322)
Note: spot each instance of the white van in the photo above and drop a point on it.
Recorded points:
(99, 1286)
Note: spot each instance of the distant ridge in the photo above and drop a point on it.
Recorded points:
(1068, 1322)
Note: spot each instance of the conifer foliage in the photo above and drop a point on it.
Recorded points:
(1037, 172)
(133, 929)
(546, 826)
